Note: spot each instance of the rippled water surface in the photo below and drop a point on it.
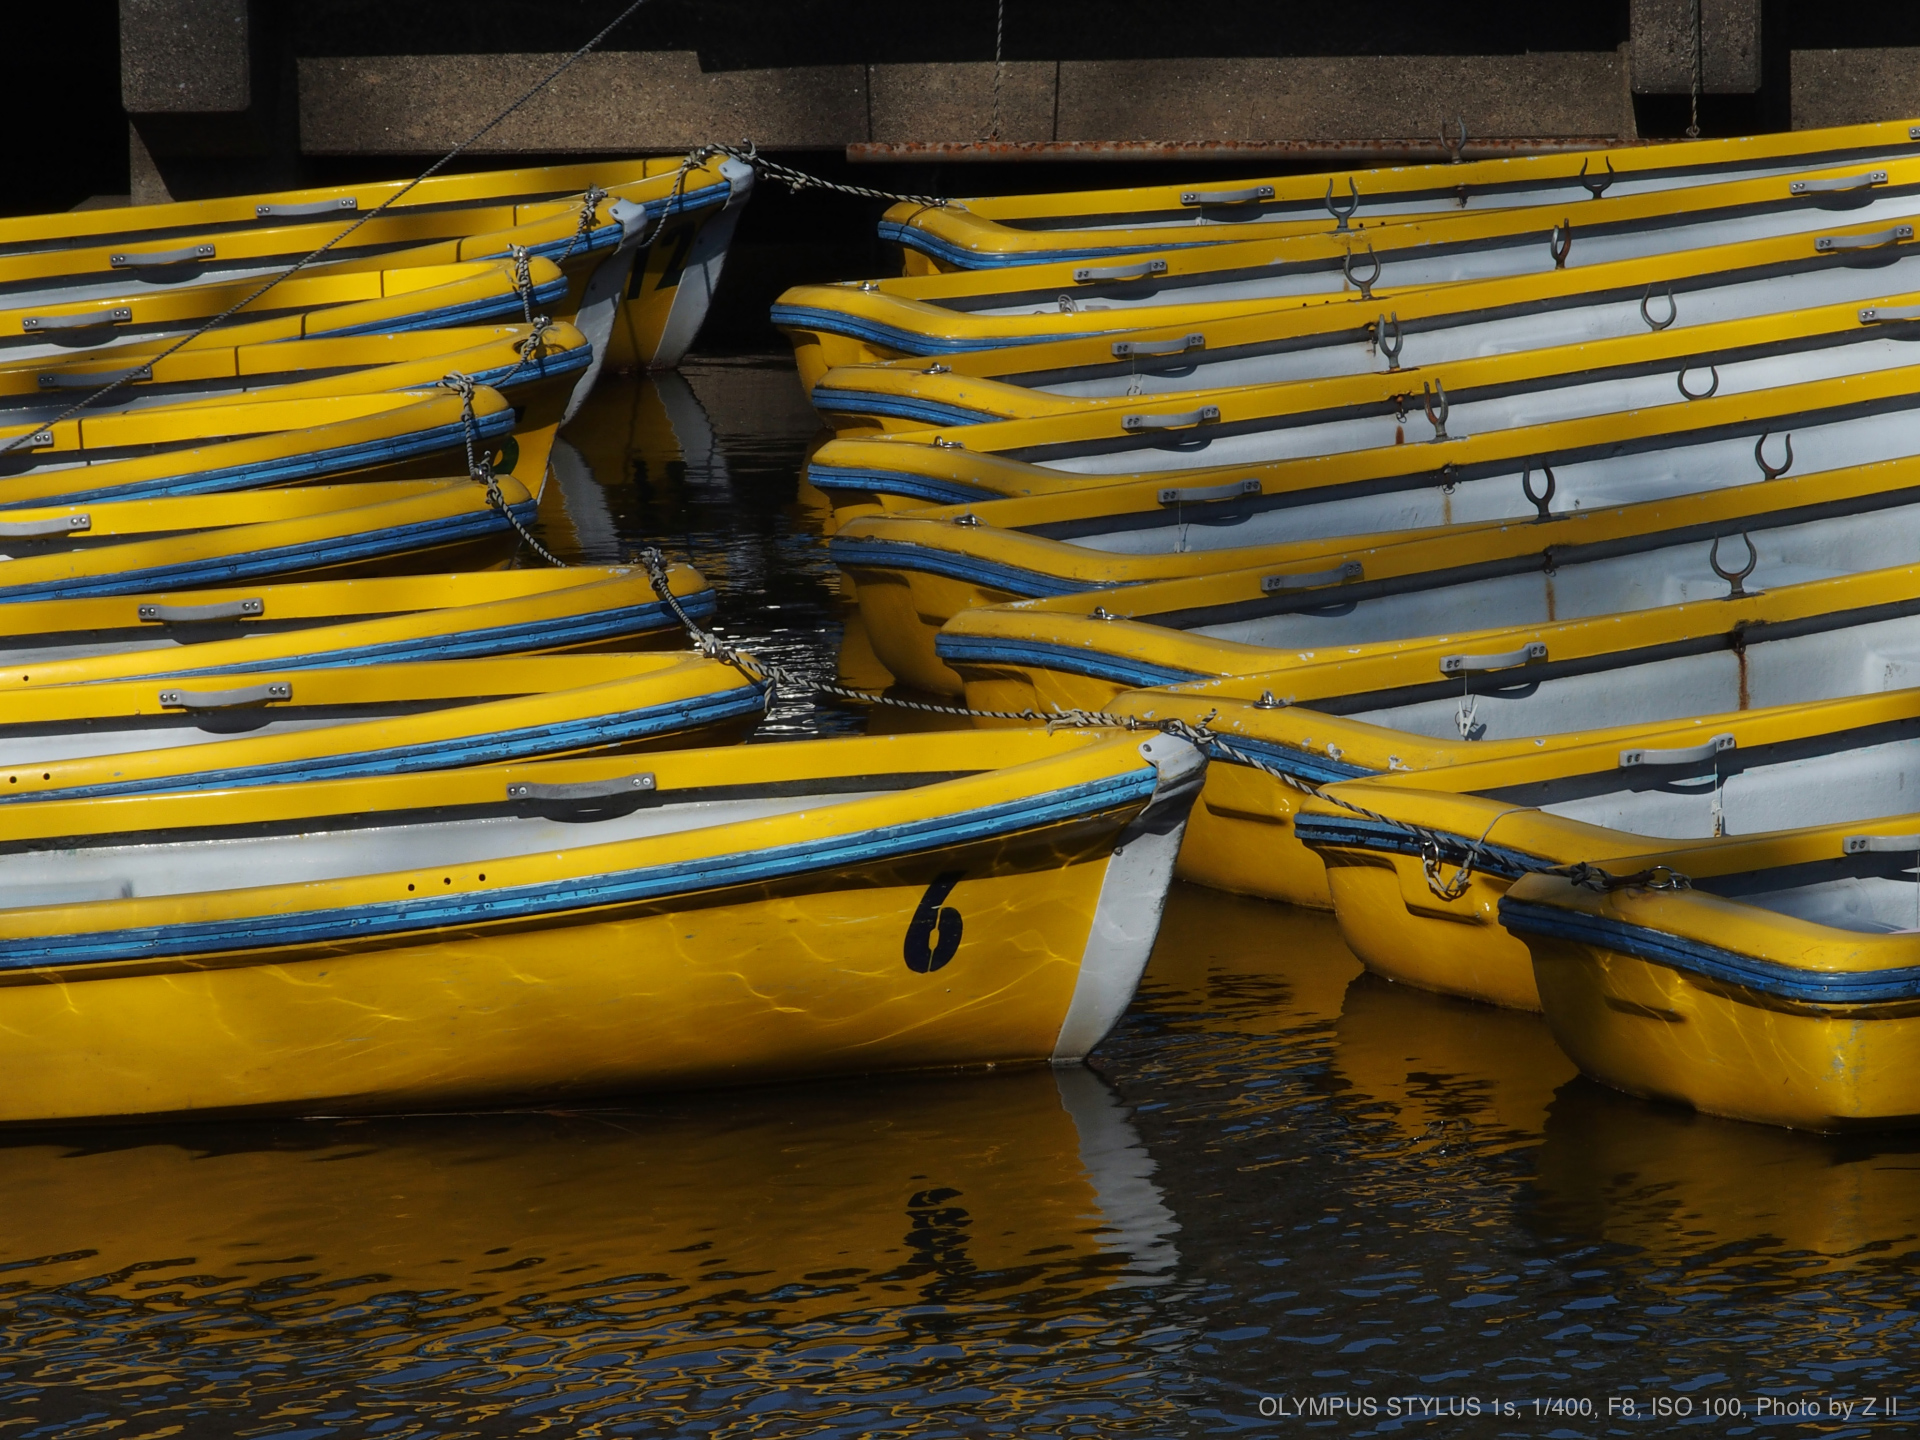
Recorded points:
(1281, 1180)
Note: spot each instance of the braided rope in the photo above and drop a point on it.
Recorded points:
(798, 180)
(1433, 843)
(315, 254)
(999, 64)
(480, 462)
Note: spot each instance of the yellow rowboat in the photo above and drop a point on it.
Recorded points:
(1415, 908)
(499, 934)
(509, 358)
(207, 448)
(308, 625)
(937, 314)
(1411, 332)
(1113, 439)
(988, 232)
(1315, 600)
(643, 205)
(1778, 987)
(197, 540)
(136, 737)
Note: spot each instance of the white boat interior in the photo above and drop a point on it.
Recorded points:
(24, 746)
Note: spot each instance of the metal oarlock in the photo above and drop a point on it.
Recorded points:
(1560, 243)
(1543, 501)
(1673, 310)
(1735, 578)
(1759, 455)
(1342, 212)
(1389, 349)
(1596, 185)
(1709, 392)
(1434, 399)
(1454, 147)
(1365, 286)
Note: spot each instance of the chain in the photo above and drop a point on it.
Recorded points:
(94, 396)
(1693, 126)
(797, 180)
(999, 68)
(1432, 843)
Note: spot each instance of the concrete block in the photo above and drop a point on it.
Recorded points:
(955, 102)
(1346, 97)
(184, 56)
(622, 102)
(1662, 33)
(1853, 87)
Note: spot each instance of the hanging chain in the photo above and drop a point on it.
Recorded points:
(999, 66)
(315, 254)
(1693, 124)
(1432, 843)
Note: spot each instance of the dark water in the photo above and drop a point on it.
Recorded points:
(1281, 1181)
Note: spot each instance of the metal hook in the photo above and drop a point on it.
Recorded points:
(1706, 394)
(1540, 502)
(1560, 243)
(1673, 310)
(1453, 150)
(1734, 577)
(1392, 352)
(1769, 471)
(1428, 398)
(1342, 213)
(1365, 286)
(1596, 186)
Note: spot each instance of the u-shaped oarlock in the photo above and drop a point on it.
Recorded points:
(1435, 401)
(1708, 393)
(1759, 455)
(1389, 348)
(1596, 186)
(1365, 287)
(1560, 243)
(1454, 147)
(1342, 213)
(1734, 578)
(1673, 310)
(1543, 501)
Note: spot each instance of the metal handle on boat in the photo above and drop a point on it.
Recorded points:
(133, 260)
(306, 207)
(1864, 242)
(1340, 575)
(1838, 182)
(227, 699)
(1123, 348)
(1460, 664)
(1884, 314)
(1391, 351)
(1170, 422)
(1870, 844)
(37, 440)
(1673, 310)
(1687, 755)
(1596, 186)
(1771, 472)
(1734, 578)
(1228, 197)
(1706, 394)
(1543, 502)
(1365, 287)
(1342, 213)
(251, 608)
(1198, 494)
(1560, 243)
(1140, 271)
(120, 315)
(96, 379)
(582, 789)
(35, 529)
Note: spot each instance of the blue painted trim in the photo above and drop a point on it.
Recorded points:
(608, 237)
(837, 322)
(896, 555)
(1355, 832)
(494, 307)
(288, 469)
(870, 402)
(1320, 769)
(896, 482)
(1063, 659)
(941, 249)
(1728, 967)
(661, 882)
(494, 748)
(557, 632)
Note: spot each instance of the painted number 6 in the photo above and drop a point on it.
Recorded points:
(934, 934)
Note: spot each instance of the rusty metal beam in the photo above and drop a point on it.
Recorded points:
(1330, 152)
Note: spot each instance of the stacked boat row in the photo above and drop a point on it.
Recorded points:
(1536, 540)
(311, 799)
